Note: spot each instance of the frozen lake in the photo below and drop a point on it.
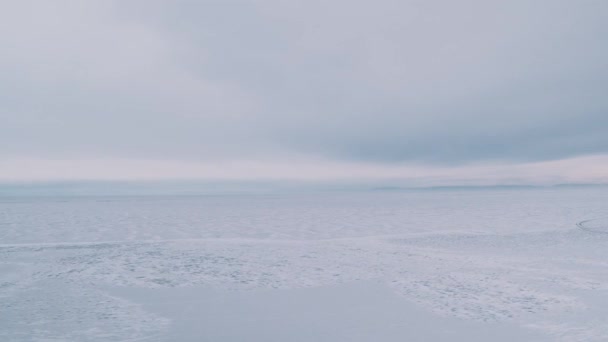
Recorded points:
(474, 265)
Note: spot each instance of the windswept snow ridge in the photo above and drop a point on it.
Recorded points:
(595, 225)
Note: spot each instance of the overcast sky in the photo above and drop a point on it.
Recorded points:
(495, 91)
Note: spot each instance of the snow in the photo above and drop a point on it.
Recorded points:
(357, 266)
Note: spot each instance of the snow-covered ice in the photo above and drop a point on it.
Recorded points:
(526, 265)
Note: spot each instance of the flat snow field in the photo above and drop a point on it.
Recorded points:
(476, 265)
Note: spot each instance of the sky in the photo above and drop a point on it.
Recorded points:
(427, 92)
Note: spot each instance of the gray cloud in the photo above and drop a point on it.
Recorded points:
(390, 81)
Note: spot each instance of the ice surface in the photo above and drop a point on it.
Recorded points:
(597, 225)
(87, 268)
(362, 311)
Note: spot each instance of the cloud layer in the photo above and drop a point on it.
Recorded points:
(387, 83)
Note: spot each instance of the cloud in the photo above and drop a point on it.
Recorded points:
(391, 82)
